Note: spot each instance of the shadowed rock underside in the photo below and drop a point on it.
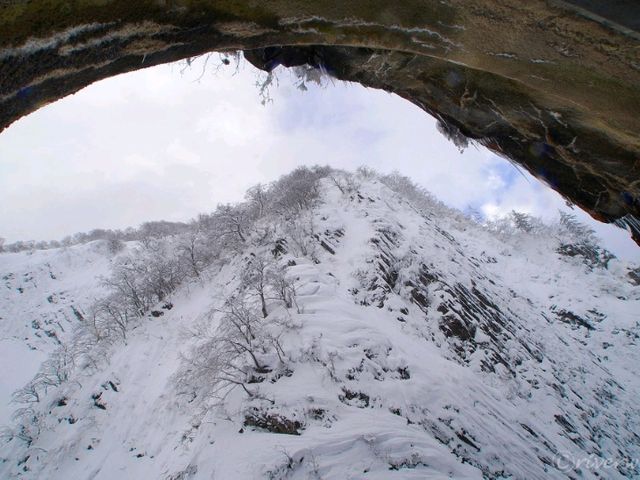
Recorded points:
(551, 86)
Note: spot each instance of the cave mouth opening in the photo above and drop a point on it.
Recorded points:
(206, 129)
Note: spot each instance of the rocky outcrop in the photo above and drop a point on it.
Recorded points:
(551, 85)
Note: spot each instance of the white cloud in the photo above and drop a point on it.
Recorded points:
(162, 143)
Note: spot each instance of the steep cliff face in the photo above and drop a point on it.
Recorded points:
(397, 339)
(42, 296)
(551, 85)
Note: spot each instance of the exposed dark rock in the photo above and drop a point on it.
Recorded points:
(529, 430)
(464, 436)
(420, 299)
(326, 246)
(317, 413)
(551, 85)
(592, 255)
(272, 422)
(77, 313)
(452, 326)
(406, 464)
(280, 247)
(97, 401)
(572, 319)
(357, 399)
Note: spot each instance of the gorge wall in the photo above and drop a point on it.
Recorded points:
(552, 85)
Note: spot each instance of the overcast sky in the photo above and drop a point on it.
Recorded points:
(170, 142)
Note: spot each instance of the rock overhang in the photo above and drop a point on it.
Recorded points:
(550, 85)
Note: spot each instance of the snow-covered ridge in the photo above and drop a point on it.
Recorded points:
(50, 283)
(43, 295)
(399, 341)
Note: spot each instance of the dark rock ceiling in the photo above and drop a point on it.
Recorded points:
(552, 85)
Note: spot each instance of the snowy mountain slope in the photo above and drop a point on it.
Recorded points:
(43, 295)
(413, 344)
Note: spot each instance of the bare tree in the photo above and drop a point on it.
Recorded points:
(28, 394)
(126, 281)
(227, 356)
(524, 222)
(162, 271)
(56, 369)
(345, 182)
(365, 172)
(258, 198)
(113, 314)
(232, 221)
(241, 331)
(298, 190)
(146, 276)
(572, 229)
(160, 229)
(114, 244)
(577, 239)
(194, 250)
(29, 425)
(284, 288)
(300, 234)
(255, 279)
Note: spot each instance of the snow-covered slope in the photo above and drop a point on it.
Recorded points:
(43, 295)
(417, 345)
